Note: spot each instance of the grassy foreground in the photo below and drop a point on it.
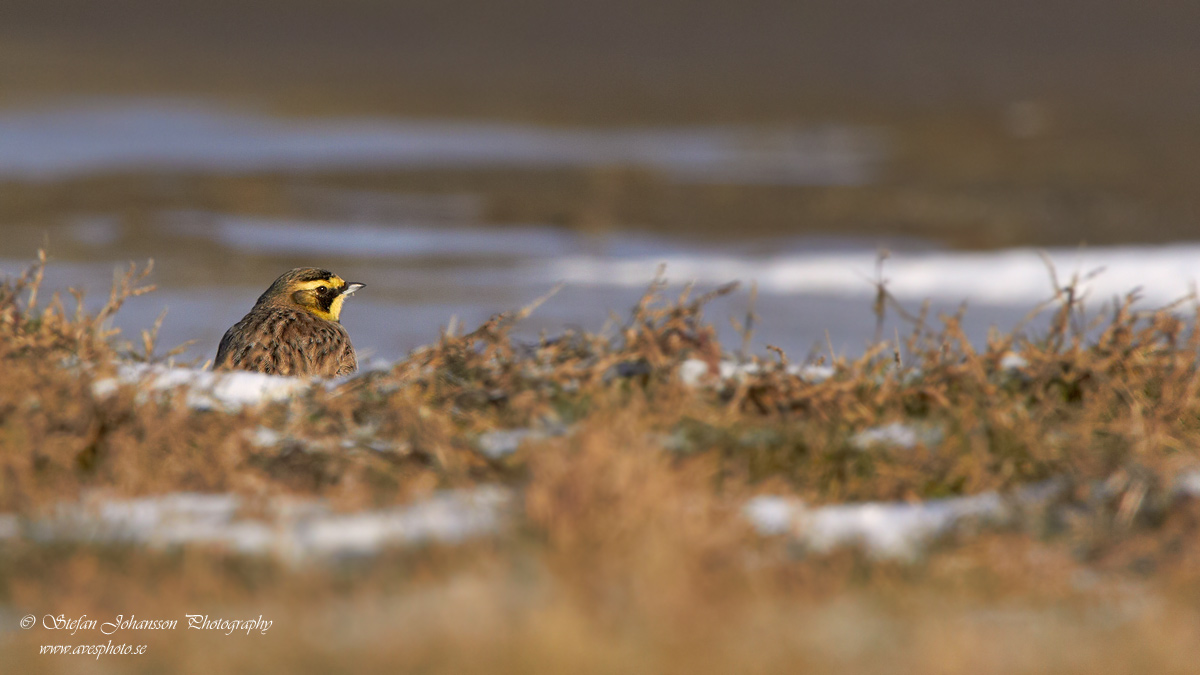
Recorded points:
(631, 552)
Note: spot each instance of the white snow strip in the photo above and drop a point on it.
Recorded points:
(884, 530)
(265, 437)
(814, 373)
(1008, 277)
(448, 517)
(771, 514)
(694, 372)
(897, 435)
(732, 370)
(503, 442)
(206, 390)
(1013, 361)
(294, 531)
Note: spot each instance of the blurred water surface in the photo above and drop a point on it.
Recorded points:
(437, 257)
(83, 137)
(814, 295)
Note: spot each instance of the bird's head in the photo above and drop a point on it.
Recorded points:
(315, 290)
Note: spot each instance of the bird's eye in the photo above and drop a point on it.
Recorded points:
(322, 289)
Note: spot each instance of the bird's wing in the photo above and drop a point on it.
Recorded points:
(236, 351)
(347, 361)
(219, 363)
(251, 344)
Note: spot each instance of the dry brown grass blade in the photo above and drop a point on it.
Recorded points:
(783, 359)
(126, 285)
(38, 275)
(150, 342)
(530, 308)
(746, 327)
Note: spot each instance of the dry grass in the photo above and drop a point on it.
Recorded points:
(631, 555)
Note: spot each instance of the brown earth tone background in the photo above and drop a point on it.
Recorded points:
(999, 113)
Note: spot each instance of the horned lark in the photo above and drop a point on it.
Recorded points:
(293, 329)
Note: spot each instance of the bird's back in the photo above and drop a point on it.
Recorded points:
(280, 340)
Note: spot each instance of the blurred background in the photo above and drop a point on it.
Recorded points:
(462, 157)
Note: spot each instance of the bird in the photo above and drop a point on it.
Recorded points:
(293, 329)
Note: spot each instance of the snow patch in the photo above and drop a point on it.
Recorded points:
(884, 530)
(206, 390)
(771, 514)
(448, 517)
(264, 437)
(503, 442)
(694, 372)
(294, 529)
(1012, 361)
(897, 435)
(813, 373)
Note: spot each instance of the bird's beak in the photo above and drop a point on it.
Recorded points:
(351, 287)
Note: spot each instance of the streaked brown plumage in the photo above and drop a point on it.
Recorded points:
(293, 329)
